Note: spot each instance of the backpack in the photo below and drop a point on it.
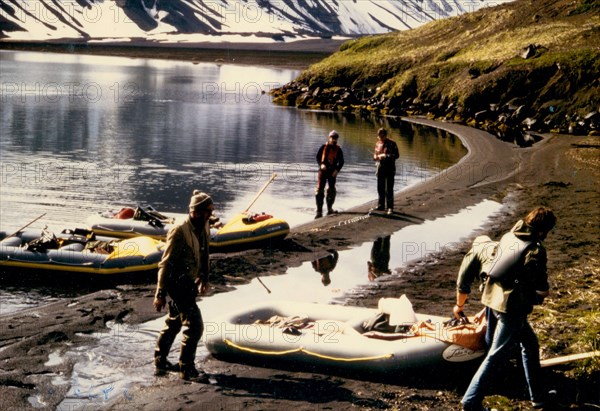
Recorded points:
(47, 241)
(510, 256)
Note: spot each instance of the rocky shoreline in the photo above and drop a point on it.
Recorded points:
(515, 120)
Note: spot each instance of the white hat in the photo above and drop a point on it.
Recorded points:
(199, 201)
(334, 133)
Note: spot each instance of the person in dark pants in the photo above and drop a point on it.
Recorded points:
(183, 273)
(385, 154)
(379, 264)
(516, 280)
(330, 159)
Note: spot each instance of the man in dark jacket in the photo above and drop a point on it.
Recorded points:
(385, 154)
(183, 273)
(516, 280)
(330, 159)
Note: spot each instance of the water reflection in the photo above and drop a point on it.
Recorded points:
(379, 264)
(79, 135)
(325, 265)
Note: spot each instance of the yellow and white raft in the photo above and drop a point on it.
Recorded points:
(245, 230)
(80, 251)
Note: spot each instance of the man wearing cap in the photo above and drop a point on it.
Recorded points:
(330, 159)
(183, 273)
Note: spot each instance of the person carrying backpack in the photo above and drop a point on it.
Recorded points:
(516, 280)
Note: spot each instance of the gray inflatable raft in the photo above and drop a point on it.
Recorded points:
(331, 339)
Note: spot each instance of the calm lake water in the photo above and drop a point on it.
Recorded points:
(80, 134)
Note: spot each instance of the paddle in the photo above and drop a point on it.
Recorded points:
(260, 192)
(263, 284)
(24, 227)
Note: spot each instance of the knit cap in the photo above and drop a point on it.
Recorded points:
(200, 201)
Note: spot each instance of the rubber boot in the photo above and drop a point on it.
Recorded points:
(190, 373)
(162, 366)
(330, 201)
(319, 200)
(165, 341)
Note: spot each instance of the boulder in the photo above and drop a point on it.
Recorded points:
(592, 120)
(532, 50)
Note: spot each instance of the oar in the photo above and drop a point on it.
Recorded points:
(260, 192)
(263, 284)
(25, 226)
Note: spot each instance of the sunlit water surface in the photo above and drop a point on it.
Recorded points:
(82, 134)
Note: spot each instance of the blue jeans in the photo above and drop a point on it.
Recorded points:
(490, 327)
(511, 329)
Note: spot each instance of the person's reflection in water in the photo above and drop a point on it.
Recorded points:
(326, 265)
(380, 258)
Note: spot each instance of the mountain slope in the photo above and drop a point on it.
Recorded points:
(185, 20)
(542, 56)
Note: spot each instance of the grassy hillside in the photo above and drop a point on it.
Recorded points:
(541, 57)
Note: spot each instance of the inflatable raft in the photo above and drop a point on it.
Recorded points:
(332, 339)
(248, 230)
(245, 230)
(79, 251)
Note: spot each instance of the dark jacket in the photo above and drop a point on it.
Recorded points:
(332, 156)
(388, 163)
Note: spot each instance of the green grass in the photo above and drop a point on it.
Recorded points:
(474, 57)
(573, 313)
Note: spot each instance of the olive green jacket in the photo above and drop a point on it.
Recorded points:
(186, 253)
(521, 289)
(477, 261)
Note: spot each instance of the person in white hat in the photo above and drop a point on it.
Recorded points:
(330, 159)
(183, 274)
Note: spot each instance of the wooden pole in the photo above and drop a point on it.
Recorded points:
(263, 284)
(260, 192)
(549, 362)
(25, 226)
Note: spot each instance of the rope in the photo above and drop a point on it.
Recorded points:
(305, 351)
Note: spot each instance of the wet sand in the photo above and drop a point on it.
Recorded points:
(521, 178)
